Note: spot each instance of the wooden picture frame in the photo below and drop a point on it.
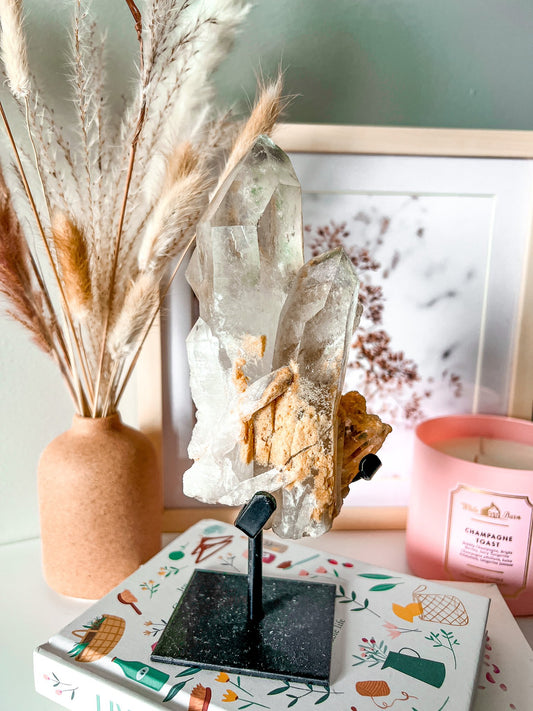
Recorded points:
(375, 141)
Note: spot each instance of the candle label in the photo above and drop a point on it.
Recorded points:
(489, 537)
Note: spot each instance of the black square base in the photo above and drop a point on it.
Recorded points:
(209, 628)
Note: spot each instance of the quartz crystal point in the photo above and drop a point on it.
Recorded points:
(268, 355)
(249, 247)
(297, 432)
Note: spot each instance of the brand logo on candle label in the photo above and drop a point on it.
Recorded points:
(489, 537)
(491, 511)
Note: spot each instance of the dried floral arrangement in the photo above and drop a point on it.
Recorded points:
(111, 209)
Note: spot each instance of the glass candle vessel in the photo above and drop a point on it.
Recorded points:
(471, 506)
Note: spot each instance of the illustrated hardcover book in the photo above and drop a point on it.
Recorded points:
(398, 641)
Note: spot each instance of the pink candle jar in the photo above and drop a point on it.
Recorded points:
(471, 507)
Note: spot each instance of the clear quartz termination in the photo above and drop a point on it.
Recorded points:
(268, 354)
(249, 247)
(314, 335)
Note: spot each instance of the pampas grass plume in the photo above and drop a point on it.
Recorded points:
(15, 275)
(13, 44)
(139, 306)
(183, 197)
(265, 113)
(71, 252)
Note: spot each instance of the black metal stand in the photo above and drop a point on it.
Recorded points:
(210, 628)
(271, 627)
(255, 578)
(278, 628)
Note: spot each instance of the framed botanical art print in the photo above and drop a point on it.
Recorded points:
(438, 227)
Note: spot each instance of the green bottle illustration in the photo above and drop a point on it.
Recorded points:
(142, 673)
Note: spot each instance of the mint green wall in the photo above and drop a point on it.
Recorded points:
(449, 63)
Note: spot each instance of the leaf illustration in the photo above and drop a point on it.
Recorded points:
(294, 701)
(353, 595)
(376, 576)
(78, 649)
(279, 690)
(341, 590)
(174, 690)
(383, 587)
(323, 698)
(189, 671)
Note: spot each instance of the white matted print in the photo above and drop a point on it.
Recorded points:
(440, 246)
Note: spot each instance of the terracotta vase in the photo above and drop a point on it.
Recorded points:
(101, 506)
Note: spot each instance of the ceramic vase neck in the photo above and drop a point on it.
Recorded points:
(90, 425)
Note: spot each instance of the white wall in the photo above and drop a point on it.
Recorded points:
(34, 408)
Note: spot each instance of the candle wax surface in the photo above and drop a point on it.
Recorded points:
(493, 452)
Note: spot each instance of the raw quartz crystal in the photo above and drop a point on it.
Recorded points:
(268, 355)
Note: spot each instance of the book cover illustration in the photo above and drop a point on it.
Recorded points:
(398, 641)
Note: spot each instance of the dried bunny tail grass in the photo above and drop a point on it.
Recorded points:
(172, 221)
(187, 182)
(24, 301)
(175, 164)
(72, 256)
(183, 160)
(30, 304)
(265, 113)
(15, 276)
(13, 45)
(140, 303)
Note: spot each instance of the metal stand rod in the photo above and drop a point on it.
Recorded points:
(255, 578)
(251, 520)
